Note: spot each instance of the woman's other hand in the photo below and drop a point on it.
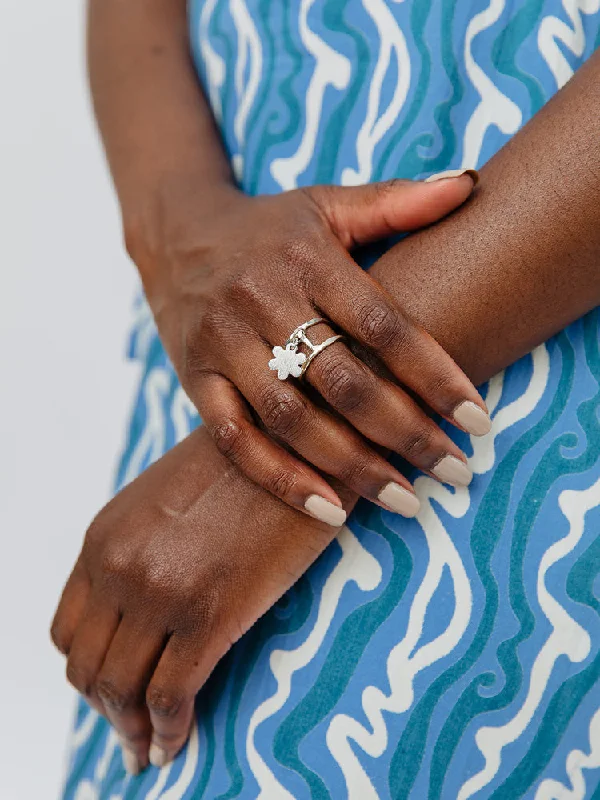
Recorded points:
(229, 284)
(173, 571)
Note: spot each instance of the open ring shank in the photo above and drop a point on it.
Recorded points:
(316, 349)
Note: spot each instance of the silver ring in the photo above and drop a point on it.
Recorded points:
(288, 361)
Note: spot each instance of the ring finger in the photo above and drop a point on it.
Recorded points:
(382, 411)
(325, 441)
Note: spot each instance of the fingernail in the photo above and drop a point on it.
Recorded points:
(472, 418)
(454, 173)
(158, 756)
(399, 499)
(130, 761)
(452, 470)
(325, 511)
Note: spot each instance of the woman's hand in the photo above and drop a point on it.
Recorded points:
(227, 287)
(172, 572)
(229, 278)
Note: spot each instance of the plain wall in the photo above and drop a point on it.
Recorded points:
(66, 289)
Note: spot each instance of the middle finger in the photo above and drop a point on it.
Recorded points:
(381, 411)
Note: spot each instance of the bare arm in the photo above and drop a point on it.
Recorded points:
(158, 131)
(521, 259)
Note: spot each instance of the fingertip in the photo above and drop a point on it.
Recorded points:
(321, 509)
(472, 418)
(130, 760)
(399, 500)
(451, 174)
(158, 756)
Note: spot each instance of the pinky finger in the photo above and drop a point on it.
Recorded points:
(262, 460)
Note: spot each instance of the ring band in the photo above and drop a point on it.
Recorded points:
(288, 361)
(318, 348)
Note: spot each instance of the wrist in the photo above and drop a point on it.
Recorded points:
(162, 225)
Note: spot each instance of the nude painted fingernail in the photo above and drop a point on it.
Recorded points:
(399, 499)
(452, 470)
(454, 173)
(158, 757)
(325, 511)
(472, 418)
(132, 765)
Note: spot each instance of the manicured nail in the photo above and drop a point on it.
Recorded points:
(158, 756)
(452, 470)
(472, 418)
(399, 499)
(454, 173)
(325, 511)
(130, 761)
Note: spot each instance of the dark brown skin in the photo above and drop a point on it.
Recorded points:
(521, 260)
(229, 276)
(225, 289)
(188, 556)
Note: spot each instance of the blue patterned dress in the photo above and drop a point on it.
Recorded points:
(452, 656)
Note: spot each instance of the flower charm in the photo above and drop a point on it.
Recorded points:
(287, 361)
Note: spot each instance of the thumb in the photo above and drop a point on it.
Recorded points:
(362, 214)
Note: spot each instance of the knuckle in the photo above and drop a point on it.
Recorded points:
(301, 253)
(344, 386)
(114, 565)
(379, 326)
(383, 189)
(59, 638)
(417, 444)
(281, 483)
(164, 701)
(353, 473)
(282, 412)
(244, 291)
(228, 438)
(118, 698)
(79, 678)
(444, 390)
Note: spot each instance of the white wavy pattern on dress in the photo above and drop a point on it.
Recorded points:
(182, 410)
(248, 59)
(355, 565)
(576, 762)
(152, 443)
(492, 740)
(90, 790)
(553, 30)
(406, 660)
(331, 69)
(375, 126)
(214, 65)
(568, 638)
(83, 731)
(494, 108)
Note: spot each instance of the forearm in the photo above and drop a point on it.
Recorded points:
(158, 131)
(521, 259)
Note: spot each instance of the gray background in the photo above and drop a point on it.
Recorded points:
(65, 298)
